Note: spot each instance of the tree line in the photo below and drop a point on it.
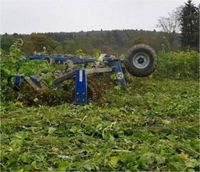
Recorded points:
(185, 20)
(116, 41)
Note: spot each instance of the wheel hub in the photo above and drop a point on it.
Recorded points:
(141, 60)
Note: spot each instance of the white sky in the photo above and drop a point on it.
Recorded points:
(26, 16)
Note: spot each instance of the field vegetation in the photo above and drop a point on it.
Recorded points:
(153, 125)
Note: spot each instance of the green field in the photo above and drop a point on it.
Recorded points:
(151, 126)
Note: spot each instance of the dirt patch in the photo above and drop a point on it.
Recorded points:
(97, 85)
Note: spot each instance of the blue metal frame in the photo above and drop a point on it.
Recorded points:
(35, 80)
(118, 71)
(18, 80)
(62, 59)
(77, 60)
(81, 96)
(81, 92)
(38, 57)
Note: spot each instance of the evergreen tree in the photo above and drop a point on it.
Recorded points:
(189, 20)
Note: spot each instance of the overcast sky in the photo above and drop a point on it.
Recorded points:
(27, 16)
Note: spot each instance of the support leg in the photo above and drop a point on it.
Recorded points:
(81, 87)
(118, 71)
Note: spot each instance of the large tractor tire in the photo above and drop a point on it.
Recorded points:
(140, 60)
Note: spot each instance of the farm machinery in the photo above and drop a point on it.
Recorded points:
(139, 61)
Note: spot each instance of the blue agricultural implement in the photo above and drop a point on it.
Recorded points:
(140, 61)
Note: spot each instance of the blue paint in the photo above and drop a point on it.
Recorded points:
(35, 80)
(81, 96)
(118, 71)
(140, 60)
(18, 81)
(62, 59)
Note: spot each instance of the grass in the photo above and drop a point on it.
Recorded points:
(151, 126)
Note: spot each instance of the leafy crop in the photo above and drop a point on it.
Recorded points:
(178, 65)
(151, 126)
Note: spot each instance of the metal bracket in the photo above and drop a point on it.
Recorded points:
(81, 87)
(18, 80)
(32, 81)
(99, 70)
(118, 71)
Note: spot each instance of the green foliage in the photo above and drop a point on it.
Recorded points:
(10, 60)
(189, 19)
(177, 65)
(7, 41)
(36, 67)
(10, 63)
(115, 41)
(13, 62)
(152, 126)
(96, 53)
(40, 41)
(79, 53)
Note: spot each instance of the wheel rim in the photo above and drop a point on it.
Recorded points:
(141, 60)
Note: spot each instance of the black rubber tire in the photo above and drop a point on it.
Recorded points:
(132, 68)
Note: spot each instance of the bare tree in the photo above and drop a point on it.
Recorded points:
(170, 25)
